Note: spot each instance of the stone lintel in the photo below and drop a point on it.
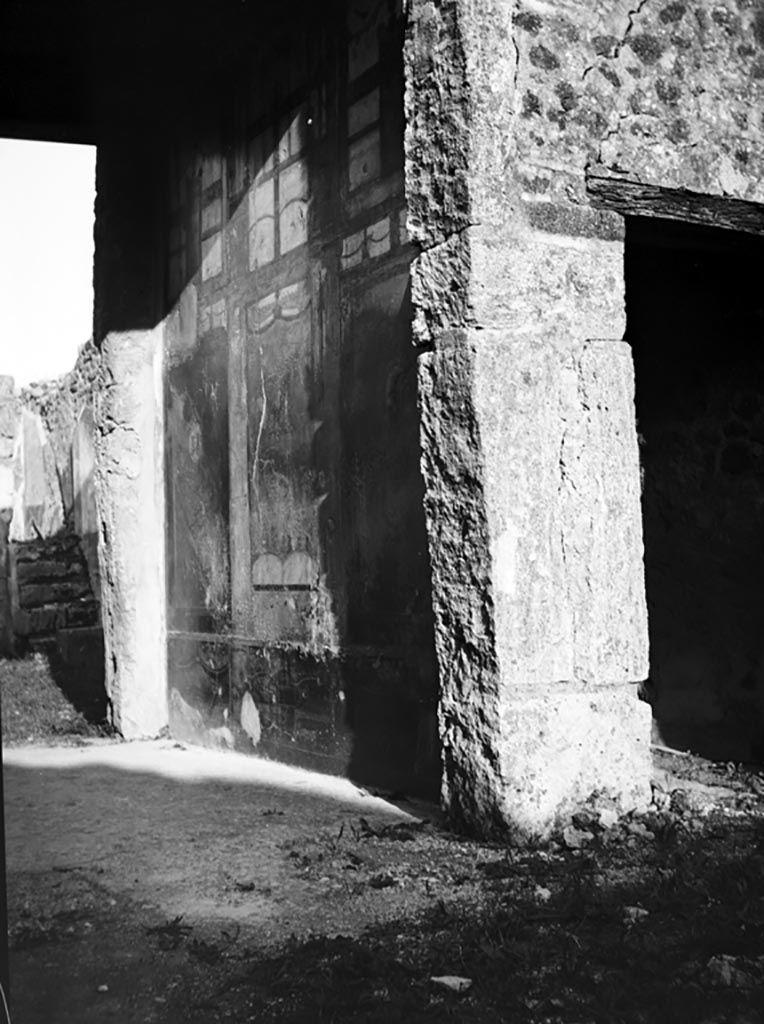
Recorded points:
(612, 193)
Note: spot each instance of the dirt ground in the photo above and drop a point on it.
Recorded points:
(136, 868)
(153, 882)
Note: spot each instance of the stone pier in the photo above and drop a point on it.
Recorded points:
(529, 447)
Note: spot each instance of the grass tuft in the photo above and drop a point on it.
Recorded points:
(35, 709)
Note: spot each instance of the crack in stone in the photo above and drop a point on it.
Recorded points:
(633, 15)
(606, 59)
(597, 161)
(610, 133)
(516, 48)
(437, 244)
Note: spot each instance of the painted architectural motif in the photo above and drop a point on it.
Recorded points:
(298, 578)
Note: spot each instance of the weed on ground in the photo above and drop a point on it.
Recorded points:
(658, 917)
(35, 708)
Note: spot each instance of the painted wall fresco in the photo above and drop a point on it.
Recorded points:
(300, 615)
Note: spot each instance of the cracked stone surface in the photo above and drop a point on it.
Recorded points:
(662, 93)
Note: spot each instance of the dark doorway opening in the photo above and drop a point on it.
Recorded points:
(695, 320)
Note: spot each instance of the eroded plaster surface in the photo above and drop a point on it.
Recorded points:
(129, 487)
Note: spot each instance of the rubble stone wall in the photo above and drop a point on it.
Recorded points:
(49, 578)
(60, 404)
(51, 587)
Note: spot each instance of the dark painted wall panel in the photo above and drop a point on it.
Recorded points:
(299, 585)
(197, 484)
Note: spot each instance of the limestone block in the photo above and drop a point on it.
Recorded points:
(437, 106)
(440, 289)
(561, 480)
(564, 289)
(565, 748)
(604, 553)
(460, 69)
(532, 281)
(532, 503)
(468, 708)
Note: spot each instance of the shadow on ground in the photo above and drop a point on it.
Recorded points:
(668, 933)
(154, 883)
(53, 694)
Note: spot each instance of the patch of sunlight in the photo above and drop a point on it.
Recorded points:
(197, 764)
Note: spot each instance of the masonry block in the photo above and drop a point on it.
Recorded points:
(563, 749)
(561, 479)
(532, 475)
